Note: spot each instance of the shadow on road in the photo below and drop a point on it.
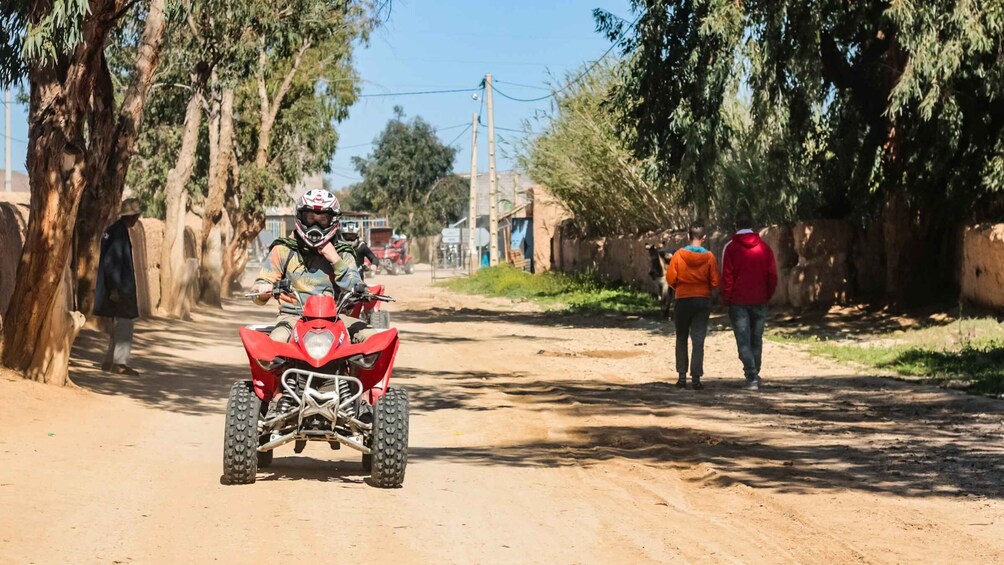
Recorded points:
(848, 432)
(184, 366)
(300, 468)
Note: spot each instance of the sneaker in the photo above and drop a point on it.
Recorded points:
(753, 384)
(107, 367)
(126, 370)
(697, 385)
(682, 383)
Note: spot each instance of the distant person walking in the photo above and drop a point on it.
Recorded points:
(115, 290)
(693, 274)
(749, 278)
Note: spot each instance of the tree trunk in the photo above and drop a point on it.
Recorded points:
(106, 177)
(210, 271)
(38, 328)
(270, 108)
(174, 281)
(246, 229)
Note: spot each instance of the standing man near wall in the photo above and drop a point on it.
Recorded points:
(749, 278)
(693, 274)
(115, 290)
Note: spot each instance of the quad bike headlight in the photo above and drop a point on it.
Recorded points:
(318, 344)
(364, 361)
(271, 365)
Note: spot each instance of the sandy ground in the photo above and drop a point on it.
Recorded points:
(535, 439)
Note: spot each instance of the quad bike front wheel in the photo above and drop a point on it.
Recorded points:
(409, 268)
(380, 320)
(389, 459)
(240, 442)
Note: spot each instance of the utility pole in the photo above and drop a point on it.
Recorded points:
(7, 182)
(493, 196)
(472, 214)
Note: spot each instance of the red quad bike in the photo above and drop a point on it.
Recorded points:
(392, 254)
(318, 387)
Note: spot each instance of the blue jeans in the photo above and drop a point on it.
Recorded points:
(747, 324)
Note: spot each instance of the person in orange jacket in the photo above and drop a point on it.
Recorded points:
(693, 274)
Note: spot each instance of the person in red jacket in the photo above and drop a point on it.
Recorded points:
(749, 278)
(693, 274)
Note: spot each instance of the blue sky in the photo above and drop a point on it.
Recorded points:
(451, 44)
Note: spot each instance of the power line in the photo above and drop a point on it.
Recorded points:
(437, 130)
(574, 80)
(347, 177)
(418, 92)
(450, 144)
(514, 99)
(356, 145)
(523, 85)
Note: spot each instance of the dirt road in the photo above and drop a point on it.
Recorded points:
(535, 439)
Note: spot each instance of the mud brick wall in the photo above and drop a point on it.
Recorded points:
(820, 263)
(983, 265)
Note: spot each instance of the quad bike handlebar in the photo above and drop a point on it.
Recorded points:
(348, 298)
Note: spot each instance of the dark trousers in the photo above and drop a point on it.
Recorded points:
(747, 324)
(691, 319)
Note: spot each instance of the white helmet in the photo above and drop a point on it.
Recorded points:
(317, 214)
(350, 231)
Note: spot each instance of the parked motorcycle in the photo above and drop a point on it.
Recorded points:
(319, 387)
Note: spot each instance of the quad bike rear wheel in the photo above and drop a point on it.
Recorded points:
(409, 268)
(380, 320)
(240, 442)
(390, 440)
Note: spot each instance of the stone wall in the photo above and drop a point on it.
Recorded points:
(147, 238)
(13, 222)
(983, 265)
(820, 263)
(548, 214)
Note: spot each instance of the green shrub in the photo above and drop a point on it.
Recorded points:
(584, 293)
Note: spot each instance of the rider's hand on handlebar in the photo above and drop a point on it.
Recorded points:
(263, 289)
(289, 299)
(360, 288)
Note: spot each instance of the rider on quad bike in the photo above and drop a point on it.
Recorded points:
(312, 264)
(349, 235)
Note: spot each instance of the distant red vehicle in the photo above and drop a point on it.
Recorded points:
(392, 252)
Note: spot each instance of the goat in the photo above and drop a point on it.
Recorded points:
(659, 257)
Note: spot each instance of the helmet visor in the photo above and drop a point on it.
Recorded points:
(311, 218)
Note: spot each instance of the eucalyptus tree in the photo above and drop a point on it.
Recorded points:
(74, 143)
(894, 108)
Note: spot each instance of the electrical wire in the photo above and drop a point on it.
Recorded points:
(437, 130)
(347, 177)
(523, 85)
(450, 144)
(418, 92)
(571, 82)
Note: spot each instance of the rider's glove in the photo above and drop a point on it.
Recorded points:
(360, 288)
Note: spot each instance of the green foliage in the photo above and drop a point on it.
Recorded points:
(969, 352)
(29, 34)
(846, 101)
(270, 36)
(581, 158)
(584, 293)
(408, 177)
